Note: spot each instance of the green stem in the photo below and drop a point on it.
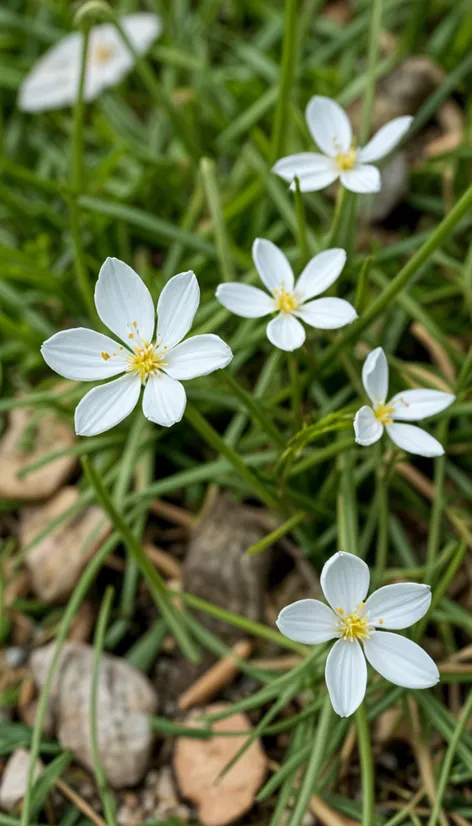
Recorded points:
(315, 763)
(77, 183)
(362, 282)
(155, 582)
(372, 57)
(85, 582)
(160, 96)
(289, 50)
(382, 504)
(301, 226)
(210, 435)
(367, 768)
(253, 406)
(274, 536)
(208, 173)
(295, 391)
(442, 233)
(448, 760)
(334, 235)
(434, 535)
(100, 776)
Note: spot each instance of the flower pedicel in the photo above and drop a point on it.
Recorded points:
(125, 306)
(362, 630)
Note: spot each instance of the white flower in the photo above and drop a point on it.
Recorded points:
(125, 306)
(53, 81)
(331, 131)
(289, 300)
(409, 406)
(355, 625)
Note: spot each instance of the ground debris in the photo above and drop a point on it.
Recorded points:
(125, 698)
(14, 779)
(198, 764)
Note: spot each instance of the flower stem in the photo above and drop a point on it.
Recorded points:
(154, 581)
(208, 175)
(301, 226)
(77, 182)
(367, 770)
(102, 785)
(295, 391)
(315, 763)
(382, 504)
(289, 53)
(334, 235)
(372, 57)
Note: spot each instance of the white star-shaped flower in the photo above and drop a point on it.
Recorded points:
(53, 82)
(332, 132)
(409, 406)
(358, 627)
(289, 300)
(125, 306)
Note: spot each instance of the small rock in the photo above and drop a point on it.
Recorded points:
(198, 763)
(57, 561)
(125, 699)
(15, 778)
(24, 444)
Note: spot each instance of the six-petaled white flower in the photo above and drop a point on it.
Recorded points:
(358, 627)
(331, 131)
(125, 306)
(289, 300)
(53, 82)
(409, 406)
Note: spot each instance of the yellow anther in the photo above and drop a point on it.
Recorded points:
(340, 611)
(102, 53)
(145, 361)
(346, 160)
(354, 627)
(381, 621)
(105, 356)
(285, 302)
(383, 412)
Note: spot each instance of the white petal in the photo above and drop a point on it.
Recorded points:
(286, 332)
(345, 581)
(123, 302)
(346, 676)
(367, 427)
(107, 405)
(362, 178)
(198, 356)
(313, 171)
(398, 606)
(413, 405)
(142, 29)
(375, 376)
(272, 265)
(81, 355)
(164, 400)
(385, 140)
(308, 621)
(327, 313)
(53, 80)
(415, 440)
(108, 60)
(322, 271)
(245, 300)
(176, 308)
(400, 660)
(329, 125)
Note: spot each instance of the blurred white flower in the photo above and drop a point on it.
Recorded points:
(125, 306)
(290, 300)
(331, 131)
(409, 406)
(356, 625)
(53, 81)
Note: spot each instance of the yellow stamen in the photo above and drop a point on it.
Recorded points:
(381, 621)
(383, 412)
(346, 160)
(354, 627)
(285, 301)
(102, 53)
(105, 356)
(145, 361)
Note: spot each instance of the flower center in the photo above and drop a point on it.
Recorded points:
(383, 412)
(346, 160)
(102, 53)
(145, 361)
(353, 627)
(285, 302)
